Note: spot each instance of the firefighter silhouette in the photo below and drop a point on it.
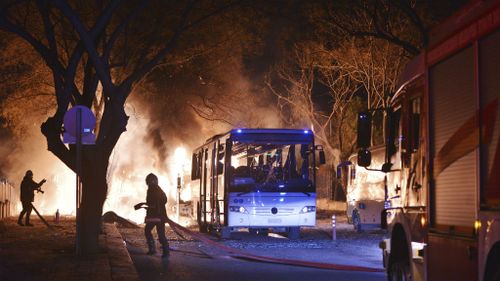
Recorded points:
(28, 188)
(156, 215)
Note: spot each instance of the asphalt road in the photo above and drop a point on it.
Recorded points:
(185, 266)
(191, 260)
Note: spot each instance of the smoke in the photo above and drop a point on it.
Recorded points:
(162, 132)
(164, 129)
(30, 154)
(7, 147)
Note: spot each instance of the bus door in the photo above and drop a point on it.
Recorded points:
(205, 187)
(212, 182)
(217, 185)
(221, 156)
(227, 178)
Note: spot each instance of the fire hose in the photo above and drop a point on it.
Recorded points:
(235, 253)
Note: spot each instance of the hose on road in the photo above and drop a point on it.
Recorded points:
(243, 255)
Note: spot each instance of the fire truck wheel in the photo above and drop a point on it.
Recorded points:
(492, 272)
(356, 221)
(398, 271)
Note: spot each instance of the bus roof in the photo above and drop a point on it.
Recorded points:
(266, 136)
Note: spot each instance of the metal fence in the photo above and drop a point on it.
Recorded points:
(8, 199)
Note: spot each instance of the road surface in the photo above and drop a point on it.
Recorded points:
(192, 260)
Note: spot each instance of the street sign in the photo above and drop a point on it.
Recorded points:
(87, 125)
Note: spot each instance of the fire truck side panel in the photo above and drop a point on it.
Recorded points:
(455, 159)
(454, 154)
(489, 215)
(442, 252)
(448, 224)
(489, 61)
(488, 241)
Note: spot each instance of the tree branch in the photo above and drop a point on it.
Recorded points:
(140, 72)
(88, 41)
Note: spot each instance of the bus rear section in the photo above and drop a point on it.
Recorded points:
(364, 192)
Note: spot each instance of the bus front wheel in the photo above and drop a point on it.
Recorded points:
(294, 233)
(259, 231)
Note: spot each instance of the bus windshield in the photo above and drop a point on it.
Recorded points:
(271, 168)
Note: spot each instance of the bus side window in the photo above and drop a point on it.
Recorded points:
(220, 159)
(414, 133)
(194, 167)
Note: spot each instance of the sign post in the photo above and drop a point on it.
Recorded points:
(79, 122)
(178, 211)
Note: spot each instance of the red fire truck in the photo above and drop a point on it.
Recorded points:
(441, 162)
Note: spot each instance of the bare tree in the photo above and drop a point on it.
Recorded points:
(303, 105)
(322, 88)
(97, 53)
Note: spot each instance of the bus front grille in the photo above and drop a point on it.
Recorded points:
(267, 211)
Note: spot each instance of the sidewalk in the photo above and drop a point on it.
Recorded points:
(38, 254)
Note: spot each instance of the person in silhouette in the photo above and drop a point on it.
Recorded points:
(28, 188)
(156, 215)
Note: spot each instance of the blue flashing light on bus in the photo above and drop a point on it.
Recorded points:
(306, 131)
(239, 131)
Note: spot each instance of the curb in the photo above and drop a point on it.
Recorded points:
(122, 267)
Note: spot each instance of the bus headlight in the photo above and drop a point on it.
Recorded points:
(237, 209)
(308, 209)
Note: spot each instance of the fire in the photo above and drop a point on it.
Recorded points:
(128, 187)
(181, 168)
(130, 163)
(134, 157)
(59, 191)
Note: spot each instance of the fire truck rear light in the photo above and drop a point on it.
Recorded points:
(423, 221)
(477, 226)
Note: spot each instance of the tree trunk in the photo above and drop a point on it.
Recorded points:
(94, 180)
(95, 160)
(94, 192)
